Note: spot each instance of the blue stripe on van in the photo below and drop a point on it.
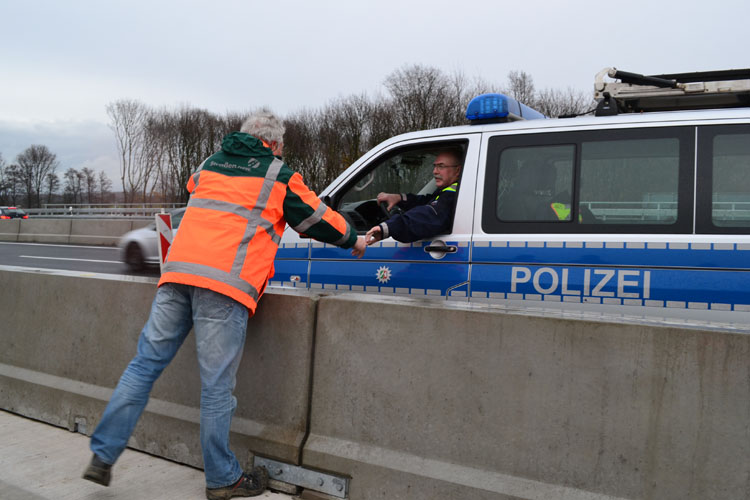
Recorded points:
(678, 288)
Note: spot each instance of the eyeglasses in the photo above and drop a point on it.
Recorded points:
(443, 166)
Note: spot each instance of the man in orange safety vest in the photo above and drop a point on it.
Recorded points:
(241, 199)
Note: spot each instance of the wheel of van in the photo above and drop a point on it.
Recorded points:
(134, 257)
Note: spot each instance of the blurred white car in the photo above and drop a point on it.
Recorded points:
(140, 247)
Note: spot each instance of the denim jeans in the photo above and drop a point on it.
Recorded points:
(220, 325)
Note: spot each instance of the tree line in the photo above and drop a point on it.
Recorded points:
(159, 149)
(32, 181)
(322, 143)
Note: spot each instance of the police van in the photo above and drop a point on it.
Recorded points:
(645, 204)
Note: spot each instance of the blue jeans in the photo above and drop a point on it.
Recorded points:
(220, 325)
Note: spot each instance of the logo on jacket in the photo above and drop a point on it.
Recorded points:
(383, 274)
(253, 163)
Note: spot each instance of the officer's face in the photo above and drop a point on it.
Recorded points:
(445, 170)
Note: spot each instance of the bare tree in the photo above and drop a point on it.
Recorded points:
(73, 186)
(302, 149)
(424, 97)
(320, 144)
(104, 187)
(521, 87)
(4, 182)
(175, 143)
(231, 122)
(550, 102)
(382, 121)
(161, 149)
(187, 137)
(89, 184)
(52, 185)
(349, 120)
(13, 184)
(34, 163)
(555, 102)
(128, 120)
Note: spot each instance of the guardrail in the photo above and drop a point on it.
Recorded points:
(102, 210)
(69, 230)
(410, 399)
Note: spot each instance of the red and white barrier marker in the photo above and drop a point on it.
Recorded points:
(164, 228)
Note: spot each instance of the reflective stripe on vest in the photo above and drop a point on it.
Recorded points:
(451, 188)
(232, 279)
(196, 177)
(316, 217)
(254, 220)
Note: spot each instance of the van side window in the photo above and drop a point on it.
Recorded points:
(630, 181)
(405, 170)
(535, 183)
(723, 194)
(625, 180)
(730, 196)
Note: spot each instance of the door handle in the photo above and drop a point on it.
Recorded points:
(438, 249)
(441, 248)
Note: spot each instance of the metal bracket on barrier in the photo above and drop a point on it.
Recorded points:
(310, 479)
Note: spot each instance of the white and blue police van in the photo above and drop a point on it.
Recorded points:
(645, 204)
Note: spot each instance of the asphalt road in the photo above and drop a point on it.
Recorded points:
(92, 259)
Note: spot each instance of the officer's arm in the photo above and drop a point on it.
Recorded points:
(423, 221)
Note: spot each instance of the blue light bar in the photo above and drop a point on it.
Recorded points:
(490, 108)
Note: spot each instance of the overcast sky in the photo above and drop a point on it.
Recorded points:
(62, 61)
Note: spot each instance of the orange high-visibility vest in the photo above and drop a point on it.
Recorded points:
(229, 235)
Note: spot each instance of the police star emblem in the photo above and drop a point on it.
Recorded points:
(383, 274)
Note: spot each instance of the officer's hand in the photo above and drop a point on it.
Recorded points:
(374, 235)
(390, 199)
(358, 250)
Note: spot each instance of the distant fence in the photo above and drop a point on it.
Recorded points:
(101, 210)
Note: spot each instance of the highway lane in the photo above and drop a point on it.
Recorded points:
(91, 259)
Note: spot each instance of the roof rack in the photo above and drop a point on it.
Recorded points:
(679, 91)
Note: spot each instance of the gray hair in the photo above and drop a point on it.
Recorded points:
(264, 125)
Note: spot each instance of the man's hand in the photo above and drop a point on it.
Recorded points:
(390, 199)
(374, 235)
(358, 250)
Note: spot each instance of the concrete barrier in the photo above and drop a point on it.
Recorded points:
(100, 231)
(77, 231)
(44, 231)
(66, 340)
(418, 400)
(9, 229)
(411, 399)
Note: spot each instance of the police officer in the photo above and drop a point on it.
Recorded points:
(423, 216)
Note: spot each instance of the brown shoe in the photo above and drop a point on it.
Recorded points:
(249, 485)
